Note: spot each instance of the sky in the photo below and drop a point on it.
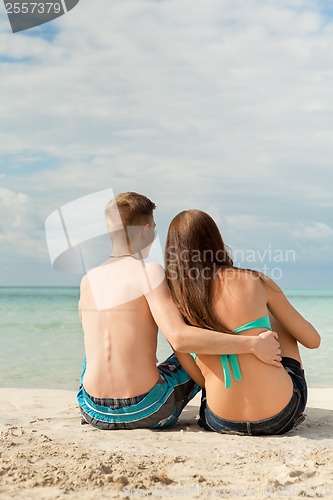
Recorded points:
(221, 105)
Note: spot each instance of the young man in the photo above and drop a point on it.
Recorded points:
(123, 302)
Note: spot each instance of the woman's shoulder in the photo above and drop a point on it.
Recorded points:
(240, 286)
(241, 280)
(242, 296)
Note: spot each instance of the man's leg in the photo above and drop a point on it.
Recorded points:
(184, 386)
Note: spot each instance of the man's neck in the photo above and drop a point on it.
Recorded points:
(118, 253)
(120, 250)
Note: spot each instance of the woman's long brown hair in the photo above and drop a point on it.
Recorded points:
(194, 254)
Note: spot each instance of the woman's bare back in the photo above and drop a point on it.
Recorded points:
(264, 390)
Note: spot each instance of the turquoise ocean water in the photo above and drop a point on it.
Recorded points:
(42, 341)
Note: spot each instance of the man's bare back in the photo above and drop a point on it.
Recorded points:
(120, 334)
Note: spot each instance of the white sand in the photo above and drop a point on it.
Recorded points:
(46, 453)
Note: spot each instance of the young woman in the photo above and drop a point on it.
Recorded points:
(242, 394)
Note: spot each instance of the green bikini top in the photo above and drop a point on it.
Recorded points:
(263, 322)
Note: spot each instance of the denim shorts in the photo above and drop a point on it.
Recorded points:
(281, 423)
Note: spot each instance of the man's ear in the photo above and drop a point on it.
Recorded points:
(145, 230)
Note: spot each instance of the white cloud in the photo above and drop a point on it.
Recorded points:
(20, 227)
(17, 207)
(221, 105)
(313, 242)
(313, 231)
(178, 72)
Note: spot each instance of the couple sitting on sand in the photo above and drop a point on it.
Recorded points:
(252, 383)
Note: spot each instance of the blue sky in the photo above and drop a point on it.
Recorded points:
(222, 105)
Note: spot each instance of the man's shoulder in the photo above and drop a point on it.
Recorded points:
(84, 281)
(155, 268)
(116, 284)
(153, 277)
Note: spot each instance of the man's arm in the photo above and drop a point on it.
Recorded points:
(79, 311)
(184, 338)
(79, 303)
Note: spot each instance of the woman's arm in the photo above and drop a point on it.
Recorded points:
(190, 366)
(286, 314)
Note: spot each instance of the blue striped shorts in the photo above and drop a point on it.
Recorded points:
(158, 409)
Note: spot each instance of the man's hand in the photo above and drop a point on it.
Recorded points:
(267, 348)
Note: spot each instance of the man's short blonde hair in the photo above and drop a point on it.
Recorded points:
(128, 209)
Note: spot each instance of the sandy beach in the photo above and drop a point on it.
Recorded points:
(47, 453)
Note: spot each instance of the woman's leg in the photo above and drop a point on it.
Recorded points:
(289, 349)
(288, 345)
